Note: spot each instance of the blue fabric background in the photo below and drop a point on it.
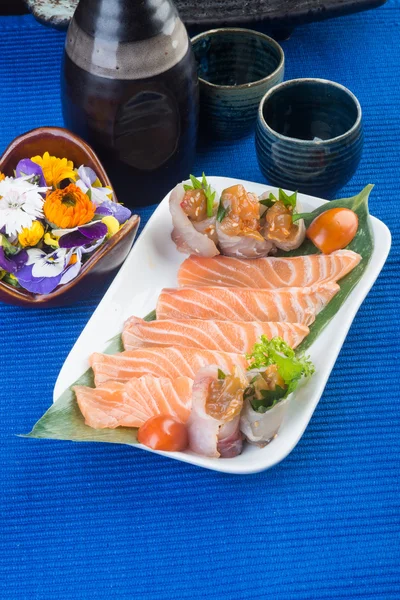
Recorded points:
(100, 521)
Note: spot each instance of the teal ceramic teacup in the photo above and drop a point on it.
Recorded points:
(309, 136)
(235, 68)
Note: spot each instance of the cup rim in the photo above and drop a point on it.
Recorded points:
(289, 82)
(252, 33)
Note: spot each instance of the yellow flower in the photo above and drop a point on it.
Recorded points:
(2, 176)
(112, 225)
(51, 240)
(55, 169)
(69, 207)
(30, 236)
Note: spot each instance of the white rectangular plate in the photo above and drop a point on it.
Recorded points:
(153, 264)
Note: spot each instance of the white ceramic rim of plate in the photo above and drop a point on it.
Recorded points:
(280, 447)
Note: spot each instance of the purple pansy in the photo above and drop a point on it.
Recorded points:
(82, 235)
(44, 272)
(12, 264)
(26, 167)
(108, 208)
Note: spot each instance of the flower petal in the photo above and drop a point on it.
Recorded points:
(26, 166)
(37, 285)
(72, 270)
(121, 213)
(50, 265)
(12, 264)
(87, 175)
(83, 235)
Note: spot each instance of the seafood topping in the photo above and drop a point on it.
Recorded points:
(278, 223)
(194, 205)
(217, 402)
(225, 398)
(193, 216)
(242, 216)
(279, 227)
(238, 224)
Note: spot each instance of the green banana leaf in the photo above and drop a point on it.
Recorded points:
(64, 421)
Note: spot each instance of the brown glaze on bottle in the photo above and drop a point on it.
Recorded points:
(134, 98)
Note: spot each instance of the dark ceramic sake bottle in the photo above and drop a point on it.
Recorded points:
(129, 87)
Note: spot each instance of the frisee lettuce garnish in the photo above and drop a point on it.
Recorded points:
(205, 186)
(276, 352)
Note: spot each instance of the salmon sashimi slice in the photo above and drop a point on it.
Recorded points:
(225, 336)
(159, 362)
(116, 404)
(268, 272)
(294, 305)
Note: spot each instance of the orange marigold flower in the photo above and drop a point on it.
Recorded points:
(2, 176)
(69, 207)
(55, 169)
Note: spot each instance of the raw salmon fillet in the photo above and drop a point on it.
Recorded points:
(268, 272)
(159, 362)
(226, 336)
(116, 404)
(295, 305)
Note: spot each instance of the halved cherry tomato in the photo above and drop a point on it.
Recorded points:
(333, 229)
(163, 432)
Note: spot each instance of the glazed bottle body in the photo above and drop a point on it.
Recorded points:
(130, 89)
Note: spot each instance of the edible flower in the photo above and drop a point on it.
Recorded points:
(81, 236)
(69, 207)
(51, 240)
(12, 263)
(291, 368)
(91, 185)
(114, 209)
(44, 272)
(112, 225)
(20, 204)
(34, 173)
(30, 236)
(2, 176)
(55, 169)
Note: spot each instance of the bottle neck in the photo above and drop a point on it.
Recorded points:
(125, 20)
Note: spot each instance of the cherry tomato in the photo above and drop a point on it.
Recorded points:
(163, 432)
(333, 229)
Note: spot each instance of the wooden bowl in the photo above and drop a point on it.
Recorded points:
(61, 142)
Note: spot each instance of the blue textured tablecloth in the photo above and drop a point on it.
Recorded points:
(93, 521)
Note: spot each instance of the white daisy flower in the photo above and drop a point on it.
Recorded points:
(20, 204)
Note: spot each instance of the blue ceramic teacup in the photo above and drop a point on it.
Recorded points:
(235, 68)
(309, 136)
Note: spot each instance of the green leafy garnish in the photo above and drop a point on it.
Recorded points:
(270, 201)
(205, 186)
(221, 374)
(8, 247)
(269, 398)
(288, 201)
(221, 212)
(299, 216)
(276, 352)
